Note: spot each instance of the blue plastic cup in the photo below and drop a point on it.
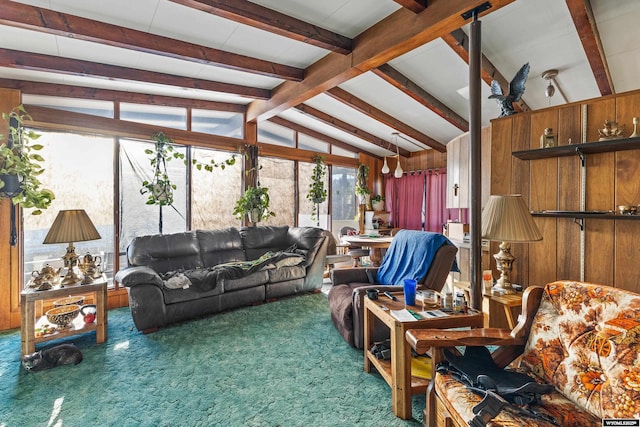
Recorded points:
(410, 286)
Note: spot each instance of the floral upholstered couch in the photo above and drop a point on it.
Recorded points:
(584, 340)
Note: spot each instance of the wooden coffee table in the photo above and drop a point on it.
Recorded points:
(397, 371)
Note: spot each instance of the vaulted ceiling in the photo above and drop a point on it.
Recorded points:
(351, 72)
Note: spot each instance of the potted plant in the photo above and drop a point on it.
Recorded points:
(255, 204)
(317, 192)
(377, 202)
(21, 165)
(361, 185)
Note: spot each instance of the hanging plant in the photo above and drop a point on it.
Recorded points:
(255, 204)
(160, 188)
(361, 180)
(317, 192)
(21, 165)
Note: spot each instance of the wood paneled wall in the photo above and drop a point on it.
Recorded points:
(610, 255)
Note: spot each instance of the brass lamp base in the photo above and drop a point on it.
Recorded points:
(70, 260)
(504, 262)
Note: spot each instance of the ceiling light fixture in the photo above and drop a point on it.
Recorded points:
(398, 172)
(385, 167)
(549, 76)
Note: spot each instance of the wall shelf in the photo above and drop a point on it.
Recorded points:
(578, 149)
(584, 214)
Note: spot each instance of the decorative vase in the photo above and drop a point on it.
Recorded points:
(254, 216)
(378, 206)
(11, 186)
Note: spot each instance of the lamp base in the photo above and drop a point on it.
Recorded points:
(70, 260)
(504, 263)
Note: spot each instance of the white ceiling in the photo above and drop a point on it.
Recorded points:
(540, 32)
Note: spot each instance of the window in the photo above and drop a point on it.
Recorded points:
(214, 194)
(307, 142)
(217, 123)
(136, 217)
(343, 198)
(278, 175)
(164, 117)
(79, 170)
(272, 133)
(305, 208)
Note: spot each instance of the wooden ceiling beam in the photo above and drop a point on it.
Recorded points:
(415, 6)
(81, 92)
(417, 93)
(397, 34)
(582, 15)
(387, 119)
(315, 134)
(458, 41)
(35, 61)
(51, 22)
(53, 119)
(348, 128)
(255, 15)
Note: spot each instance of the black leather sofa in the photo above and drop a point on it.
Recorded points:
(152, 258)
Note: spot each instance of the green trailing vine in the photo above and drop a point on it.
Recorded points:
(21, 165)
(361, 180)
(159, 188)
(317, 191)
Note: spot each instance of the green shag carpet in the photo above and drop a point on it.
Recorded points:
(277, 364)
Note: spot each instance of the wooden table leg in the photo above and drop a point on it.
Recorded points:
(400, 373)
(375, 255)
(430, 406)
(368, 326)
(27, 326)
(101, 320)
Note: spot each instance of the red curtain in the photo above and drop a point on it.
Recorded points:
(417, 201)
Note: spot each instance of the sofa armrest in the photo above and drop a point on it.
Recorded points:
(132, 276)
(342, 276)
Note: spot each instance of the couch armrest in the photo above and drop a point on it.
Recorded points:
(132, 276)
(342, 276)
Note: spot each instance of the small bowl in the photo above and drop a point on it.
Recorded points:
(627, 210)
(64, 315)
(77, 300)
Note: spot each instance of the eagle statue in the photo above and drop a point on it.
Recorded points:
(516, 89)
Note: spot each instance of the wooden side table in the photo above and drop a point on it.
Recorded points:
(397, 371)
(28, 321)
(508, 302)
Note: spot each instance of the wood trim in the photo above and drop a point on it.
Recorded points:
(346, 127)
(255, 15)
(68, 91)
(393, 36)
(583, 19)
(61, 24)
(363, 107)
(415, 6)
(458, 41)
(413, 90)
(35, 61)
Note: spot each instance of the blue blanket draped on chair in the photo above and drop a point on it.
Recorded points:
(409, 256)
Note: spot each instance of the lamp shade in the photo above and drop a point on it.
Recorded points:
(72, 225)
(507, 219)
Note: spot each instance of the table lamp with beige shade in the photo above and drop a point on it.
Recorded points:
(507, 219)
(70, 226)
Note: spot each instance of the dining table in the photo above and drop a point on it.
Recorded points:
(374, 243)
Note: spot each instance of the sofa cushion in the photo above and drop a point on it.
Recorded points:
(254, 279)
(584, 340)
(220, 246)
(259, 240)
(555, 405)
(172, 296)
(165, 252)
(307, 240)
(282, 274)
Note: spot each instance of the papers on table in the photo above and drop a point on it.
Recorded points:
(405, 316)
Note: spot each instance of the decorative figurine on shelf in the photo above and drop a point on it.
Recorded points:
(547, 139)
(516, 89)
(611, 131)
(635, 133)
